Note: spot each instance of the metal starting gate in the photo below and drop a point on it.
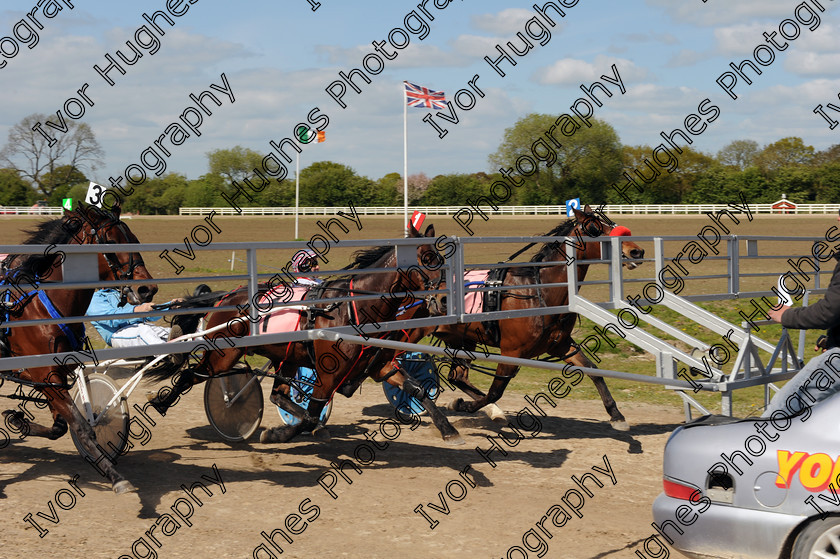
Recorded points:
(673, 369)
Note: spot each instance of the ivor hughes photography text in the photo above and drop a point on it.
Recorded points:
(435, 278)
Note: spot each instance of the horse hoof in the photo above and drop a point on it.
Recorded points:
(152, 398)
(495, 413)
(454, 440)
(124, 486)
(276, 435)
(267, 436)
(16, 419)
(455, 405)
(321, 433)
(620, 425)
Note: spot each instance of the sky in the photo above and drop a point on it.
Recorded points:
(280, 57)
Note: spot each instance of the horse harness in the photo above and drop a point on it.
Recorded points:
(11, 278)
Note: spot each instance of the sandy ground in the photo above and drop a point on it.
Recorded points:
(271, 487)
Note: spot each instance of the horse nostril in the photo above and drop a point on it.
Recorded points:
(636, 253)
(145, 293)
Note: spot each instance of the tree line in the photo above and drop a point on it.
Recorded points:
(587, 164)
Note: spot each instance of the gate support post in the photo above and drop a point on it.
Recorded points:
(253, 287)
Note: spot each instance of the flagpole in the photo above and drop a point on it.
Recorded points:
(405, 159)
(297, 193)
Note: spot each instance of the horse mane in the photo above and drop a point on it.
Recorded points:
(365, 258)
(56, 231)
(548, 249)
(52, 232)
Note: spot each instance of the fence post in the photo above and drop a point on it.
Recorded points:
(734, 269)
(455, 303)
(253, 288)
(571, 270)
(658, 258)
(616, 271)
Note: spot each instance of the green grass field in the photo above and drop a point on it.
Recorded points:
(625, 357)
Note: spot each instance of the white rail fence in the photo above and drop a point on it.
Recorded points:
(634, 209)
(625, 209)
(31, 210)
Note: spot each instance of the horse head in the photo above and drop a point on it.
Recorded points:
(429, 277)
(594, 226)
(94, 226)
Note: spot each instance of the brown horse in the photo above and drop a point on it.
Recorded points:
(337, 363)
(85, 225)
(529, 337)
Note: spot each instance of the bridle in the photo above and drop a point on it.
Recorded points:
(430, 284)
(119, 270)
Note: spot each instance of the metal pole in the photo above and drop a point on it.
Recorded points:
(493, 358)
(253, 288)
(734, 268)
(456, 261)
(297, 193)
(616, 271)
(405, 161)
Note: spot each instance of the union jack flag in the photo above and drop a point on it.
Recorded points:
(423, 97)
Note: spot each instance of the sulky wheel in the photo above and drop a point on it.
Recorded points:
(234, 404)
(111, 429)
(300, 393)
(420, 367)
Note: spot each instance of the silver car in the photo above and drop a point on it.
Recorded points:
(752, 488)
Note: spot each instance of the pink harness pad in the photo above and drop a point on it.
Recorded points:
(474, 300)
(281, 319)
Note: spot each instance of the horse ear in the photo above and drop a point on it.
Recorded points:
(579, 214)
(587, 209)
(412, 232)
(78, 207)
(116, 209)
(430, 231)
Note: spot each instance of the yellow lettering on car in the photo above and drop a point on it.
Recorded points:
(789, 462)
(815, 470)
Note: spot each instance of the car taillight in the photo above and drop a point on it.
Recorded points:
(679, 490)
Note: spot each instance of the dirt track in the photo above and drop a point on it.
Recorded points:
(374, 517)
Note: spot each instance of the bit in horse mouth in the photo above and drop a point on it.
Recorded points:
(630, 265)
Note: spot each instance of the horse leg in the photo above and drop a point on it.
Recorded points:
(504, 373)
(19, 423)
(280, 396)
(211, 363)
(62, 406)
(616, 417)
(411, 387)
(166, 398)
(459, 376)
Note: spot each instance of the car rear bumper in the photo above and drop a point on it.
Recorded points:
(726, 532)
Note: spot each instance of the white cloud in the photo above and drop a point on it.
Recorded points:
(505, 22)
(570, 71)
(813, 64)
(824, 39)
(476, 46)
(686, 57)
(740, 39)
(665, 38)
(722, 12)
(413, 56)
(657, 99)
